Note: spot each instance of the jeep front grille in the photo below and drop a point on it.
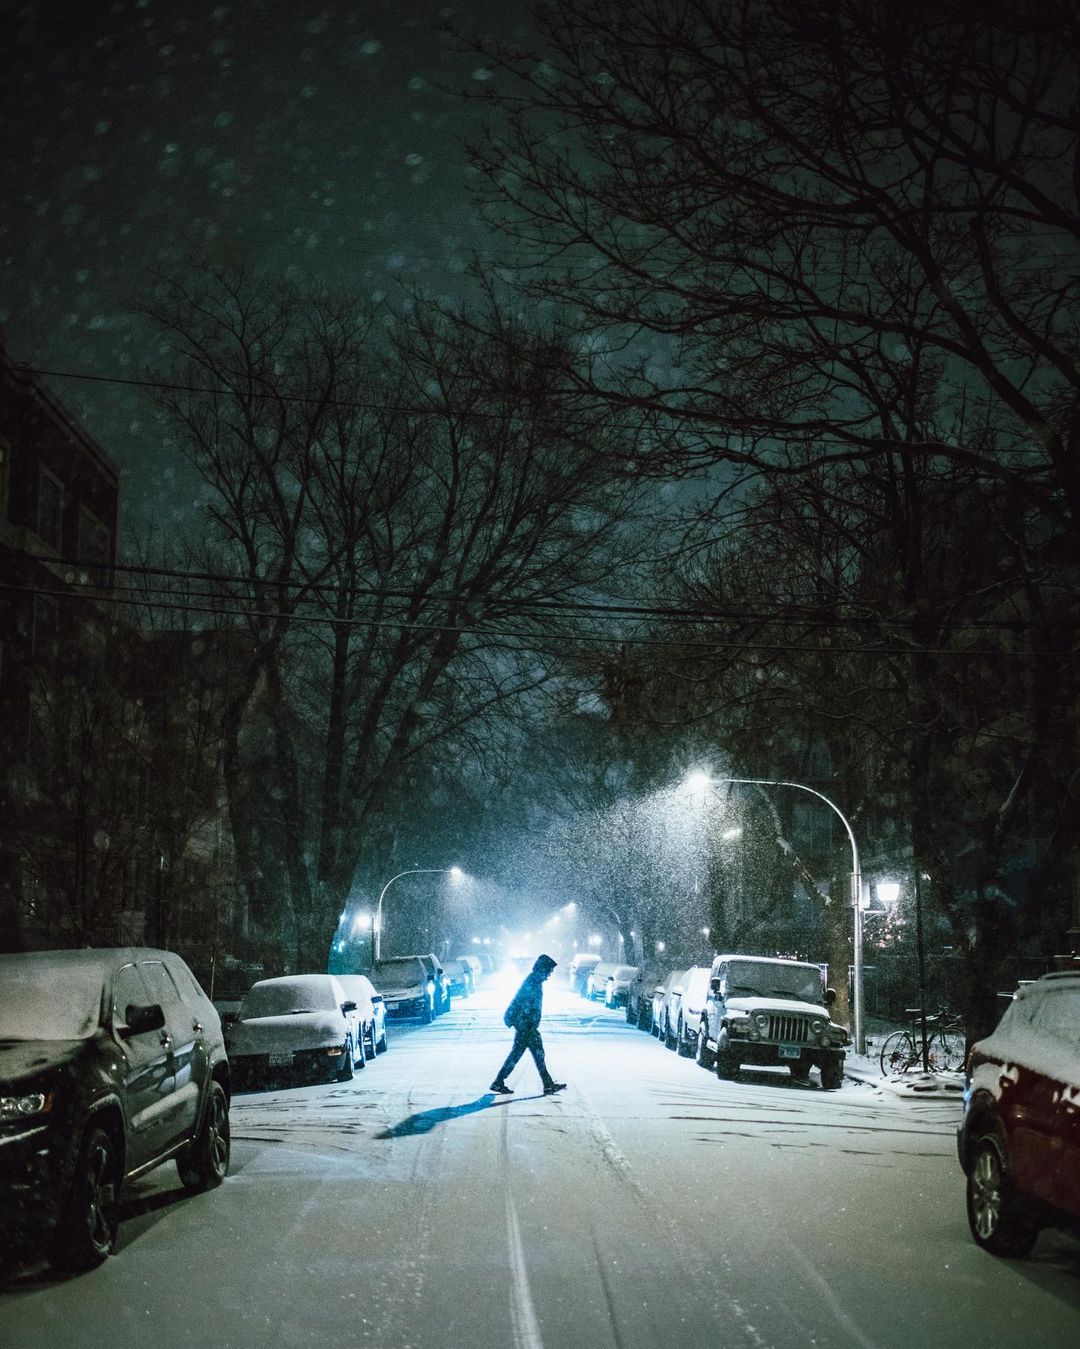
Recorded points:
(789, 1030)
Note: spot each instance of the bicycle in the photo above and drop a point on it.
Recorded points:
(945, 1044)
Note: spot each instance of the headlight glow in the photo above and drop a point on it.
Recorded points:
(20, 1107)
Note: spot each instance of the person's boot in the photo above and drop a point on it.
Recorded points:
(501, 1089)
(550, 1088)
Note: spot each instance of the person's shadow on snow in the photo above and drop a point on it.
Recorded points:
(426, 1120)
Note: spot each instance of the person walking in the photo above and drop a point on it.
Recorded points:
(524, 1015)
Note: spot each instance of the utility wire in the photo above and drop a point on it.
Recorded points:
(749, 646)
(525, 604)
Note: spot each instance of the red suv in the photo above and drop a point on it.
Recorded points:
(1019, 1142)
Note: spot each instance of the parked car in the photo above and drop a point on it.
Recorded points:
(639, 994)
(617, 985)
(406, 987)
(581, 966)
(666, 995)
(597, 979)
(442, 983)
(687, 1004)
(769, 1011)
(1019, 1139)
(475, 966)
(298, 1023)
(112, 1061)
(370, 1011)
(459, 978)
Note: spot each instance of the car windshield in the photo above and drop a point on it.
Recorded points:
(36, 1006)
(400, 971)
(280, 997)
(777, 981)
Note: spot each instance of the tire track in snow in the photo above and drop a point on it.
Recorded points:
(523, 1319)
(727, 1311)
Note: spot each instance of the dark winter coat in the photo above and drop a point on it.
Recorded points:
(525, 1011)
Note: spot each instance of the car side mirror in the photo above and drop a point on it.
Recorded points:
(714, 987)
(678, 989)
(347, 1007)
(830, 996)
(139, 1019)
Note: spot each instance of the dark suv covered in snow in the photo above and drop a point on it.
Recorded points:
(111, 1062)
(773, 1012)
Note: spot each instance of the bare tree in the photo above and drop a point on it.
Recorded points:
(394, 511)
(773, 212)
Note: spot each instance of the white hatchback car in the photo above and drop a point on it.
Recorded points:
(303, 1023)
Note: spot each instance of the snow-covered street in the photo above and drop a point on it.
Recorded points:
(648, 1204)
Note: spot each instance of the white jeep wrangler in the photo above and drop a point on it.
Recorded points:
(774, 1012)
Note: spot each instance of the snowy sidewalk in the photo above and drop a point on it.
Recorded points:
(866, 1068)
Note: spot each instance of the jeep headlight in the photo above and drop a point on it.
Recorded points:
(818, 1026)
(22, 1107)
(761, 1022)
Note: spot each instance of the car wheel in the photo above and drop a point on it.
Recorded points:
(361, 1056)
(682, 1044)
(88, 1225)
(632, 1013)
(609, 996)
(380, 1048)
(345, 1072)
(205, 1163)
(726, 1063)
(446, 1003)
(669, 1036)
(801, 1072)
(832, 1074)
(704, 1053)
(427, 1016)
(999, 1221)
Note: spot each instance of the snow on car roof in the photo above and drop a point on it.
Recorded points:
(292, 993)
(30, 1008)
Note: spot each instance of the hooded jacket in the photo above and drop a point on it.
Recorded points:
(527, 1007)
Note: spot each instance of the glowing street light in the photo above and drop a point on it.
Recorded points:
(699, 782)
(888, 892)
(455, 873)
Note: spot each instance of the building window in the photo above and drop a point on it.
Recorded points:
(46, 629)
(50, 509)
(95, 546)
(5, 469)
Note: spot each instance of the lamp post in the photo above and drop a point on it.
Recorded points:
(455, 872)
(702, 779)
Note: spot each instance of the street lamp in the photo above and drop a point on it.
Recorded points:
(455, 873)
(699, 781)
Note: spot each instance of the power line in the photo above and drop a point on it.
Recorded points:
(428, 410)
(527, 604)
(748, 647)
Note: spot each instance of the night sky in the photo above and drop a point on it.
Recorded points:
(315, 140)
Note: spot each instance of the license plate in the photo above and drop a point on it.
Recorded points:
(790, 1052)
(392, 1006)
(280, 1060)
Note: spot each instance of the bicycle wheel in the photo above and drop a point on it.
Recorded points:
(898, 1053)
(947, 1052)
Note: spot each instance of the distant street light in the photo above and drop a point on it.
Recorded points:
(701, 781)
(595, 939)
(455, 873)
(362, 922)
